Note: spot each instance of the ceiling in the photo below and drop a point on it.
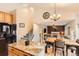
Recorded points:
(69, 12)
(7, 7)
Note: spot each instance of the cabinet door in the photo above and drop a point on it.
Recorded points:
(14, 18)
(1, 16)
(8, 18)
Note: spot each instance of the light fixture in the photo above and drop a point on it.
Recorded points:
(55, 16)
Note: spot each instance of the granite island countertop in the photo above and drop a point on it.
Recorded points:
(36, 50)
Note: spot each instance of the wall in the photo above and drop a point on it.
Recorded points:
(72, 26)
(23, 15)
(14, 16)
(77, 29)
(36, 31)
(26, 16)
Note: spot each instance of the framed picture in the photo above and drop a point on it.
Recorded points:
(21, 25)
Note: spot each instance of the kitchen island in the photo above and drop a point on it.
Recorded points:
(15, 49)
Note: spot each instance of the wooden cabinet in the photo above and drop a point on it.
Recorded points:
(17, 52)
(1, 16)
(6, 17)
(3, 47)
(14, 17)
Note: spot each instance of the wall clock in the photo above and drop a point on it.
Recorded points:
(46, 15)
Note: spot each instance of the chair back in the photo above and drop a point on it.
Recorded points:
(46, 36)
(59, 44)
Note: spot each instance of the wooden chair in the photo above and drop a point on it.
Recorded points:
(59, 44)
(72, 48)
(50, 42)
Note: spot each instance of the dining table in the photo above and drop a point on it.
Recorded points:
(68, 43)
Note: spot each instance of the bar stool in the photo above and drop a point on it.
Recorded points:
(77, 48)
(60, 45)
(48, 45)
(72, 48)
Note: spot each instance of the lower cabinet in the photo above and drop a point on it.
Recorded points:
(3, 47)
(16, 52)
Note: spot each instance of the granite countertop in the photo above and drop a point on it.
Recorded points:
(34, 49)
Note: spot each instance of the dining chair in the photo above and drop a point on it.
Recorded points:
(46, 36)
(72, 48)
(77, 48)
(49, 44)
(59, 44)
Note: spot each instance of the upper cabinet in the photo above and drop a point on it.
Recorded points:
(1, 16)
(6, 17)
